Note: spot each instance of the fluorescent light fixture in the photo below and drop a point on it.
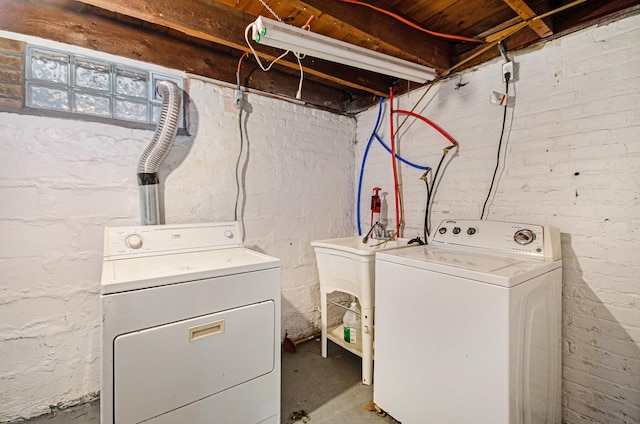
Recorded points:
(276, 34)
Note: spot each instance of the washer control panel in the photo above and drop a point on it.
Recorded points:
(147, 240)
(530, 240)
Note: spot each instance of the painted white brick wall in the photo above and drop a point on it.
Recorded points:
(63, 181)
(572, 160)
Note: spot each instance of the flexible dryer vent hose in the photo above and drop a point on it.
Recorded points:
(157, 151)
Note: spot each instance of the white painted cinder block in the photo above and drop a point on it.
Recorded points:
(63, 181)
(571, 160)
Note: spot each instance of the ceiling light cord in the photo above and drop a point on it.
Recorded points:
(298, 56)
(246, 38)
(299, 92)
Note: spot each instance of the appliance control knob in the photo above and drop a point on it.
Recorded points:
(442, 230)
(456, 230)
(471, 231)
(133, 241)
(228, 234)
(524, 236)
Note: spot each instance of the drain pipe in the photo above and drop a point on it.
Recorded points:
(157, 151)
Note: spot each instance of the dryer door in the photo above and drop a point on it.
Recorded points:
(163, 368)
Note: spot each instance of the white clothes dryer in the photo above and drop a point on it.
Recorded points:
(190, 327)
(468, 328)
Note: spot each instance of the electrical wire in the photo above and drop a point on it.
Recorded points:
(241, 136)
(413, 25)
(245, 54)
(307, 24)
(297, 55)
(246, 38)
(504, 124)
(424, 177)
(430, 196)
(430, 192)
(415, 106)
(503, 36)
(299, 92)
(427, 209)
(238, 185)
(374, 135)
(425, 229)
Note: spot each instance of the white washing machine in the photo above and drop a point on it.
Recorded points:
(468, 328)
(190, 327)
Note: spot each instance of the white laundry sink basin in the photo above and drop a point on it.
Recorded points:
(356, 246)
(348, 265)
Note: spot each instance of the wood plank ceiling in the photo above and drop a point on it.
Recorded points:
(206, 37)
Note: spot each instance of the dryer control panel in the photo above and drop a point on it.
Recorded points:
(148, 240)
(529, 240)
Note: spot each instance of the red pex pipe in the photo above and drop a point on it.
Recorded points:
(428, 121)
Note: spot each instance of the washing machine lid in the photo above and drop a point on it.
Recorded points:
(492, 269)
(134, 273)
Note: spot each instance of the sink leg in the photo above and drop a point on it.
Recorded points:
(323, 324)
(367, 346)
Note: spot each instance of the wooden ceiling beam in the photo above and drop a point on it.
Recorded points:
(64, 21)
(224, 25)
(522, 8)
(522, 38)
(583, 14)
(377, 31)
(595, 10)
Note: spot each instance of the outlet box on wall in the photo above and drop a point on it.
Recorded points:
(512, 68)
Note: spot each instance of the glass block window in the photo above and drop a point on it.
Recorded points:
(77, 84)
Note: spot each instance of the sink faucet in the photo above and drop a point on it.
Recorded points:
(377, 230)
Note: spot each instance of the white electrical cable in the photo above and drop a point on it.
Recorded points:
(299, 92)
(246, 38)
(296, 54)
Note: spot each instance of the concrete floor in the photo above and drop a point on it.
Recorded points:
(315, 390)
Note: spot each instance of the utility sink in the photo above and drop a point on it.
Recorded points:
(356, 246)
(347, 265)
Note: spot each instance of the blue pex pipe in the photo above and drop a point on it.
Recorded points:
(401, 159)
(375, 135)
(364, 160)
